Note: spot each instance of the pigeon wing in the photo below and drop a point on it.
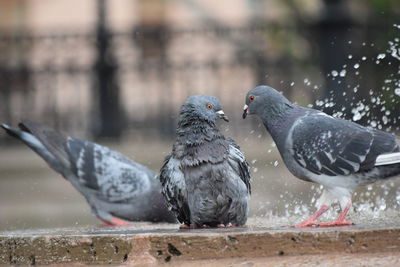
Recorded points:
(174, 188)
(110, 174)
(326, 145)
(239, 163)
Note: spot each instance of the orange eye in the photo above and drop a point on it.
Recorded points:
(209, 106)
(251, 98)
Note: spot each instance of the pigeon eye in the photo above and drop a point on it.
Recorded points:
(251, 98)
(209, 106)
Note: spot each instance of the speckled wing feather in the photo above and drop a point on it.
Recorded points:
(237, 158)
(326, 145)
(114, 177)
(174, 188)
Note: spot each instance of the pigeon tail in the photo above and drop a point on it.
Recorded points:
(35, 144)
(52, 140)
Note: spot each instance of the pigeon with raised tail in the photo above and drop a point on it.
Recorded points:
(118, 190)
(206, 178)
(338, 154)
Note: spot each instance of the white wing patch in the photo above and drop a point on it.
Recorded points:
(387, 159)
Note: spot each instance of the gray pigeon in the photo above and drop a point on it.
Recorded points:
(336, 153)
(205, 179)
(117, 189)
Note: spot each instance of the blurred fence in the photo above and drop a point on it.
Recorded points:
(55, 78)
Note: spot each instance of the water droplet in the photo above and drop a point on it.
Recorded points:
(397, 91)
(342, 73)
(364, 58)
(357, 116)
(381, 56)
(385, 120)
(356, 66)
(350, 56)
(334, 73)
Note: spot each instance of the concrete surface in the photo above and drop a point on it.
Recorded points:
(146, 244)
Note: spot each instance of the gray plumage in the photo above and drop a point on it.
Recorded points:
(205, 179)
(316, 147)
(113, 185)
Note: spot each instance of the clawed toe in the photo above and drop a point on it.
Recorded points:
(336, 223)
(323, 224)
(307, 224)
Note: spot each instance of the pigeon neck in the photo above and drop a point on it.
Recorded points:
(275, 119)
(273, 116)
(193, 130)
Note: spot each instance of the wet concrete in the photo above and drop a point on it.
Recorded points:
(151, 244)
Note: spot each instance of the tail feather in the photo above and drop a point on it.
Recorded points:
(36, 145)
(52, 140)
(11, 131)
(388, 159)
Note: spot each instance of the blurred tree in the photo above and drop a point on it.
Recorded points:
(109, 115)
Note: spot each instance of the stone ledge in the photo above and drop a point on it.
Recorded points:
(131, 245)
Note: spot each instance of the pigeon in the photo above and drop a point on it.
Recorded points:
(118, 190)
(338, 154)
(206, 178)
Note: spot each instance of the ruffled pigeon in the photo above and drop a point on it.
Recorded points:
(205, 179)
(336, 153)
(117, 189)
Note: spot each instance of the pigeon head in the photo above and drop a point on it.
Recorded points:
(266, 102)
(203, 107)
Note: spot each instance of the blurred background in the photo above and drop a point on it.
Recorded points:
(116, 72)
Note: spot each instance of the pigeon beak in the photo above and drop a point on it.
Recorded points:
(222, 115)
(245, 111)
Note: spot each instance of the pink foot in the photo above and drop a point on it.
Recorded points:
(306, 224)
(333, 224)
(119, 222)
(221, 225)
(116, 222)
(340, 221)
(184, 226)
(323, 224)
(311, 221)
